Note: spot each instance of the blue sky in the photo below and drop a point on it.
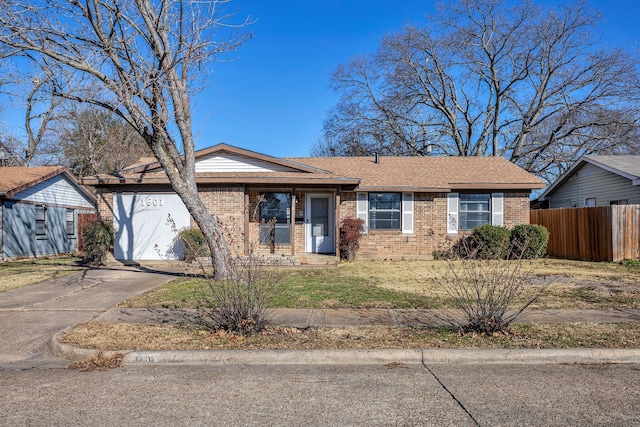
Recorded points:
(273, 97)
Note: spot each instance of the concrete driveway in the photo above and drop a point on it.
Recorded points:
(31, 315)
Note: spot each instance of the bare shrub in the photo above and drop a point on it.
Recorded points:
(492, 293)
(240, 303)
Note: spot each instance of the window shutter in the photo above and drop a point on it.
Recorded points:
(497, 203)
(362, 209)
(452, 213)
(407, 213)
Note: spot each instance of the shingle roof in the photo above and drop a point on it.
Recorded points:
(627, 165)
(428, 172)
(15, 179)
(392, 173)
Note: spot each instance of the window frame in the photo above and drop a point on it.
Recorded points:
(72, 222)
(40, 231)
(275, 235)
(371, 212)
(463, 214)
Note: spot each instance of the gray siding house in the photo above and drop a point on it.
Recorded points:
(39, 210)
(596, 181)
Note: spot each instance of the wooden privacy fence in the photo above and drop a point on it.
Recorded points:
(602, 233)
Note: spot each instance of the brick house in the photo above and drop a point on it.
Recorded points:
(410, 205)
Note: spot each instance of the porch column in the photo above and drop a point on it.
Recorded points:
(247, 201)
(337, 221)
(292, 219)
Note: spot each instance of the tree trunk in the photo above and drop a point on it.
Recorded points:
(208, 224)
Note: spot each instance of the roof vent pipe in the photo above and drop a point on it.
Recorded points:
(377, 161)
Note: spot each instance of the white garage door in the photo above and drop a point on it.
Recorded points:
(143, 228)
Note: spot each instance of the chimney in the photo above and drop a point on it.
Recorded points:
(377, 160)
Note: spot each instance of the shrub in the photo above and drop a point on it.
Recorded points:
(489, 242)
(350, 233)
(491, 293)
(240, 304)
(194, 243)
(529, 241)
(97, 238)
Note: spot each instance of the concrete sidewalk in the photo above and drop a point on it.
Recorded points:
(303, 318)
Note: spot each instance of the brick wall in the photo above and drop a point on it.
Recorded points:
(429, 227)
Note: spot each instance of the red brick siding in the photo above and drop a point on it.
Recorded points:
(429, 227)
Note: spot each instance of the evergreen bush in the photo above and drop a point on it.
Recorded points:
(529, 241)
(97, 239)
(490, 241)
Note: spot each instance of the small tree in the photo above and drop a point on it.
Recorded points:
(350, 234)
(98, 238)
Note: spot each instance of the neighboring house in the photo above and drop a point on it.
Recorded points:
(39, 210)
(410, 205)
(596, 181)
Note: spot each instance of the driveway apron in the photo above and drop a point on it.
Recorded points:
(31, 315)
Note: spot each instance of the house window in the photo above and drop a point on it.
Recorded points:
(71, 223)
(275, 207)
(590, 202)
(41, 218)
(619, 202)
(475, 210)
(384, 211)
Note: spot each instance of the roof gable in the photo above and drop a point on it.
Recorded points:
(626, 166)
(14, 180)
(227, 158)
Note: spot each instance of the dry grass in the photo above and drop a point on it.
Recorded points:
(119, 337)
(415, 284)
(16, 274)
(99, 363)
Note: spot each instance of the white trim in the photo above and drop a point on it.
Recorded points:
(407, 213)
(362, 209)
(497, 209)
(452, 213)
(328, 243)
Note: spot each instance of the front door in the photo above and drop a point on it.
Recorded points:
(320, 223)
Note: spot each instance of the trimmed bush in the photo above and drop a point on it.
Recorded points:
(97, 238)
(195, 245)
(529, 241)
(490, 242)
(350, 234)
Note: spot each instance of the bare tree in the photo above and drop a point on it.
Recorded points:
(95, 141)
(31, 90)
(490, 77)
(140, 60)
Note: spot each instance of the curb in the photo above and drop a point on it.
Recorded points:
(75, 354)
(357, 356)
